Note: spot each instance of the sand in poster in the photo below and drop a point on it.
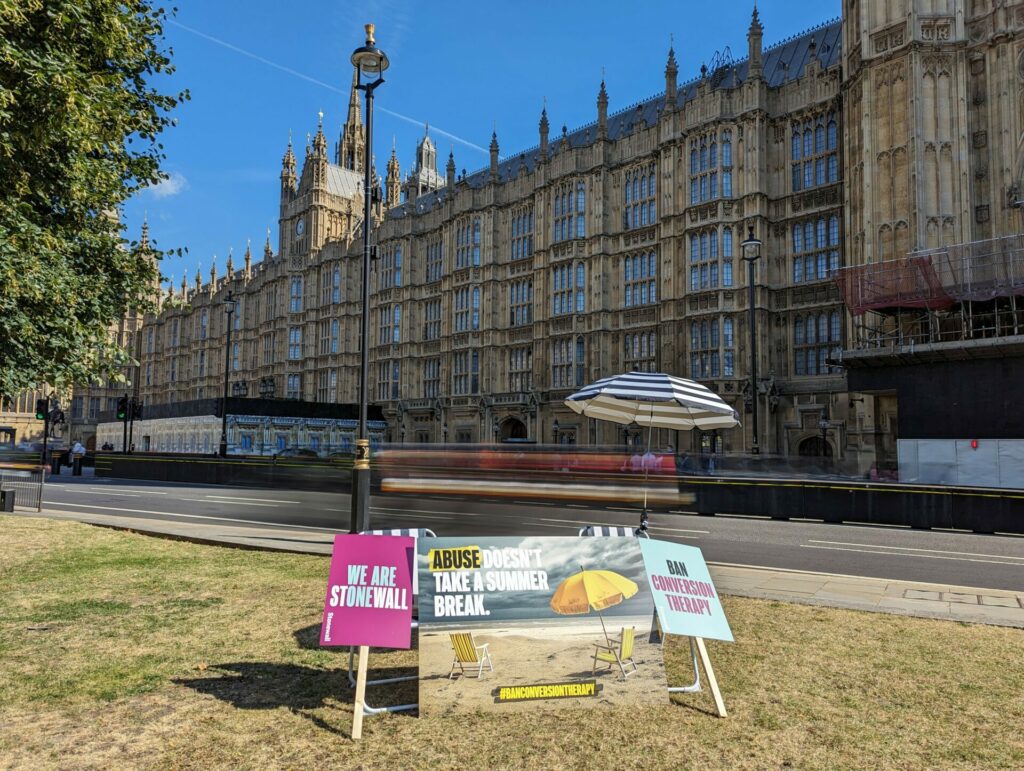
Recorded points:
(516, 624)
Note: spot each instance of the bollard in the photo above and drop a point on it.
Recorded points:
(76, 466)
(7, 500)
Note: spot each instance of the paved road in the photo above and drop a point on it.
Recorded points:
(935, 556)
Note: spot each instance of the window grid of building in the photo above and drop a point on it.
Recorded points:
(522, 233)
(295, 295)
(815, 249)
(640, 279)
(390, 269)
(268, 348)
(295, 343)
(467, 309)
(327, 390)
(435, 261)
(432, 320)
(640, 352)
(639, 197)
(711, 162)
(204, 324)
(520, 368)
(467, 243)
(520, 303)
(568, 211)
(709, 266)
(466, 372)
(431, 378)
(568, 362)
(814, 153)
(568, 283)
(294, 387)
(712, 351)
(816, 336)
(389, 324)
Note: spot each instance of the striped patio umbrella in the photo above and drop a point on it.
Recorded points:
(654, 400)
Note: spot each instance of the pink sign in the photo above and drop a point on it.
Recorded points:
(369, 591)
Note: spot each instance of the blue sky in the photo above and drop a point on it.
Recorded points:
(463, 67)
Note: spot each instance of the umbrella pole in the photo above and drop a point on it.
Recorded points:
(646, 465)
(603, 628)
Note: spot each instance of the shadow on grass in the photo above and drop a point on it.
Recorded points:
(308, 638)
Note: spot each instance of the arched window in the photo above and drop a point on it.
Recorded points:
(693, 161)
(476, 307)
(703, 246)
(628, 190)
(798, 331)
(714, 247)
(808, 147)
(832, 139)
(643, 186)
(837, 331)
(714, 333)
(823, 328)
(650, 185)
(819, 139)
(822, 239)
(727, 242)
(694, 334)
(796, 146)
(713, 155)
(580, 360)
(833, 230)
(798, 238)
(581, 198)
(703, 334)
(694, 248)
(727, 149)
(703, 157)
(810, 328)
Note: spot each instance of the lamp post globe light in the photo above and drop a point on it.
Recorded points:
(370, 63)
(229, 309)
(751, 253)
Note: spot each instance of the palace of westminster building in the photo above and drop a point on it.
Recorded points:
(617, 246)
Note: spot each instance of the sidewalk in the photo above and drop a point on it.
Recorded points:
(908, 598)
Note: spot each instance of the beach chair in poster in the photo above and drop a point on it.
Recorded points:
(618, 652)
(617, 531)
(468, 652)
(367, 709)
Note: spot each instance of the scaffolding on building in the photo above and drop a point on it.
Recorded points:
(955, 293)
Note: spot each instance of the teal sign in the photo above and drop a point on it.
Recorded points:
(684, 594)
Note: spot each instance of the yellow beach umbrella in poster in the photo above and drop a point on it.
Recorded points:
(591, 589)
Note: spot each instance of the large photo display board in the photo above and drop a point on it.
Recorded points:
(527, 623)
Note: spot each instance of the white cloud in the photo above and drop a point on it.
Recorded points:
(174, 184)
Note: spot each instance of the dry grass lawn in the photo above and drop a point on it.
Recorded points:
(123, 651)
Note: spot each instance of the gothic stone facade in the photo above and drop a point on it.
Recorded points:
(616, 246)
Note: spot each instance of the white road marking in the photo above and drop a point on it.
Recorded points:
(98, 492)
(411, 515)
(900, 554)
(258, 500)
(233, 503)
(141, 491)
(908, 548)
(428, 511)
(667, 529)
(251, 522)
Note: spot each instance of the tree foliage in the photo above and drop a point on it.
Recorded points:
(79, 121)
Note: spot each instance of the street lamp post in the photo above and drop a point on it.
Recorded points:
(554, 431)
(229, 309)
(824, 426)
(751, 253)
(370, 63)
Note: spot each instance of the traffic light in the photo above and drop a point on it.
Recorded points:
(122, 408)
(42, 407)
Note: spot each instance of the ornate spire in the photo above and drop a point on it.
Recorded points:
(144, 236)
(288, 177)
(494, 154)
(393, 183)
(248, 258)
(754, 35)
(184, 286)
(602, 111)
(320, 141)
(671, 74)
(230, 268)
(450, 168)
(213, 275)
(268, 253)
(352, 143)
(543, 125)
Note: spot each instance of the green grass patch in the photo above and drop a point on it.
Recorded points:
(119, 650)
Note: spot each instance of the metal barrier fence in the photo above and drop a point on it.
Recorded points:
(27, 483)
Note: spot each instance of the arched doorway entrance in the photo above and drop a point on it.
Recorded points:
(512, 428)
(814, 447)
